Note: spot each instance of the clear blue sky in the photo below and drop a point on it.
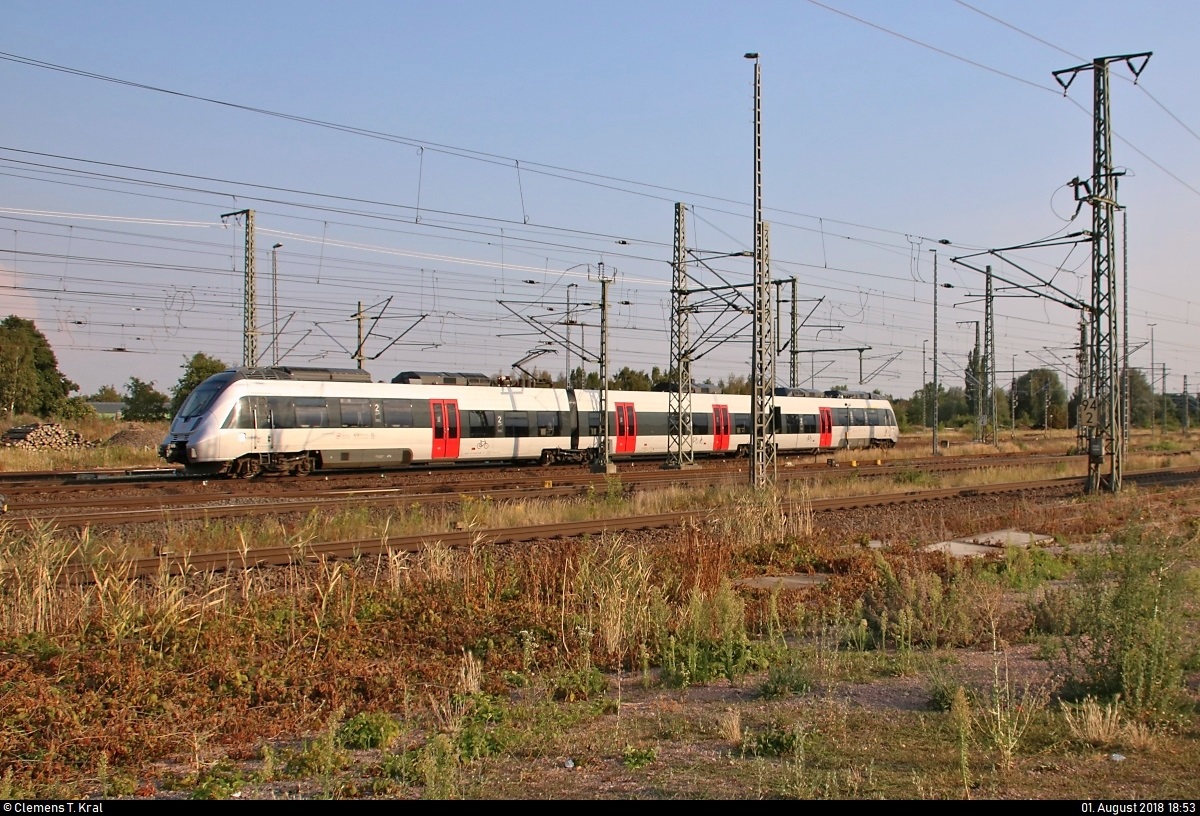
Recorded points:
(513, 142)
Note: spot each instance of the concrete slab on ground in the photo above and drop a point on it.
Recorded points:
(782, 581)
(993, 543)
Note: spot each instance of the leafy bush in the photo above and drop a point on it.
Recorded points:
(1126, 624)
(368, 729)
(578, 684)
(775, 741)
(218, 782)
(1026, 568)
(790, 674)
(320, 757)
(710, 641)
(926, 604)
(634, 758)
(74, 408)
(402, 766)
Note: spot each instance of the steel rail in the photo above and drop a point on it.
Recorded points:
(66, 513)
(284, 555)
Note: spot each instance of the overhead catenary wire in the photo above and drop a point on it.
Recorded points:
(820, 230)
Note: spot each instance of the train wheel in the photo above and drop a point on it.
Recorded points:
(304, 466)
(248, 468)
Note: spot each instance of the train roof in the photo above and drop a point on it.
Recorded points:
(697, 388)
(441, 378)
(303, 373)
(864, 395)
(781, 391)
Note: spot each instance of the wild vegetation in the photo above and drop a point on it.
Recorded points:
(634, 666)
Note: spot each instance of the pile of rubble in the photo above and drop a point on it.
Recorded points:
(43, 437)
(136, 436)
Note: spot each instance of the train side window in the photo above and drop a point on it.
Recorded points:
(809, 423)
(791, 423)
(260, 413)
(422, 416)
(593, 419)
(841, 416)
(356, 413)
(741, 423)
(397, 414)
(516, 423)
(547, 423)
(891, 418)
(283, 415)
(874, 417)
(311, 412)
(242, 416)
(858, 417)
(702, 424)
(652, 423)
(481, 424)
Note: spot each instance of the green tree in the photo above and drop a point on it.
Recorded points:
(106, 393)
(1040, 395)
(953, 407)
(195, 371)
(18, 377)
(143, 401)
(75, 408)
(629, 380)
(918, 410)
(972, 371)
(735, 384)
(30, 381)
(1144, 407)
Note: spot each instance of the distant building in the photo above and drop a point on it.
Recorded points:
(109, 410)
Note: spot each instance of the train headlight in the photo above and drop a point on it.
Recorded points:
(192, 453)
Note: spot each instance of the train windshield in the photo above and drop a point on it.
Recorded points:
(199, 400)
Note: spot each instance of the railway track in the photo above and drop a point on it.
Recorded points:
(226, 498)
(176, 564)
(101, 479)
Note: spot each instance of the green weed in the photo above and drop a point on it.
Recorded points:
(634, 758)
(319, 757)
(218, 782)
(709, 642)
(368, 729)
(790, 673)
(575, 684)
(775, 741)
(1126, 624)
(437, 767)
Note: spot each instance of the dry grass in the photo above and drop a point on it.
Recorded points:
(1094, 723)
(492, 658)
(1103, 725)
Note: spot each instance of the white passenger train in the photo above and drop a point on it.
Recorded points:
(248, 421)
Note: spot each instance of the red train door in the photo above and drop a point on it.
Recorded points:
(825, 426)
(444, 414)
(626, 428)
(720, 427)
